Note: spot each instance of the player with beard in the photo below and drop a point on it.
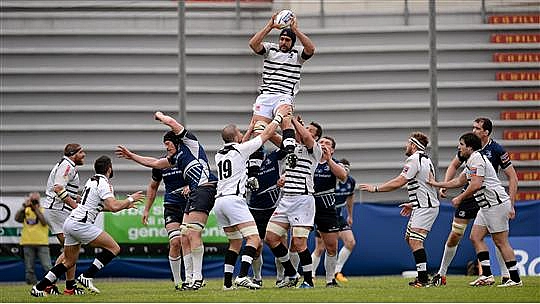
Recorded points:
(423, 205)
(280, 84)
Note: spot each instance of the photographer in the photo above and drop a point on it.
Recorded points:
(34, 236)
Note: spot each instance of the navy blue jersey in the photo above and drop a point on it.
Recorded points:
(325, 185)
(344, 190)
(267, 195)
(174, 183)
(192, 161)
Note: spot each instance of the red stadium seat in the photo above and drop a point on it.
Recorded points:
(509, 19)
(518, 76)
(515, 38)
(521, 134)
(518, 95)
(520, 115)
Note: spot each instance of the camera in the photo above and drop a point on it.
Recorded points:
(35, 202)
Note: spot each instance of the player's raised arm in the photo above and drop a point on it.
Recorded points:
(309, 46)
(256, 42)
(151, 162)
(175, 126)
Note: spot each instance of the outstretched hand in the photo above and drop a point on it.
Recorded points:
(122, 152)
(406, 209)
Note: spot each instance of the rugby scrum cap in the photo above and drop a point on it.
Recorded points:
(170, 136)
(289, 33)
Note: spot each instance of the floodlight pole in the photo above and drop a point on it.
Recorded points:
(433, 109)
(182, 96)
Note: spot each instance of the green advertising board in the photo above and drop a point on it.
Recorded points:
(126, 226)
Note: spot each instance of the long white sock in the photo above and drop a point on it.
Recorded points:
(197, 256)
(175, 264)
(343, 256)
(316, 260)
(188, 267)
(295, 259)
(502, 265)
(448, 256)
(330, 266)
(280, 270)
(257, 267)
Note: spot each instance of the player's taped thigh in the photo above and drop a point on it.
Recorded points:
(174, 233)
(198, 227)
(458, 228)
(300, 232)
(249, 230)
(414, 235)
(234, 235)
(276, 229)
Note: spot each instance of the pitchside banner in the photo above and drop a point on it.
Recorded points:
(126, 226)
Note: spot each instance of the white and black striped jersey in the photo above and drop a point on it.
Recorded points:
(299, 181)
(97, 189)
(231, 162)
(416, 170)
(281, 71)
(492, 192)
(64, 173)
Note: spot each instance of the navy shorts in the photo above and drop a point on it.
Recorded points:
(262, 217)
(202, 199)
(467, 209)
(326, 220)
(173, 213)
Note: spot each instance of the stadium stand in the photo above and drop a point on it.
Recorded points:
(101, 68)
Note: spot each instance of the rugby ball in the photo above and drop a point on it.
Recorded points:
(284, 18)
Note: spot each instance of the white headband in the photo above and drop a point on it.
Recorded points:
(417, 143)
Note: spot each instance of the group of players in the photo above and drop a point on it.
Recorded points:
(293, 188)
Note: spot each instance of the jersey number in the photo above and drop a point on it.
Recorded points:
(225, 169)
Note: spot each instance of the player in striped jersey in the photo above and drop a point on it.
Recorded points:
(80, 228)
(280, 77)
(191, 159)
(64, 177)
(296, 209)
(423, 205)
(231, 208)
(496, 209)
(467, 210)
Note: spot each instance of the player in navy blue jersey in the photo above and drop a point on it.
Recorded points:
(174, 204)
(327, 175)
(467, 210)
(345, 200)
(263, 201)
(191, 159)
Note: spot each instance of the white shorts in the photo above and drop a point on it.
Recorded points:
(266, 104)
(55, 219)
(232, 210)
(495, 218)
(297, 210)
(423, 218)
(80, 233)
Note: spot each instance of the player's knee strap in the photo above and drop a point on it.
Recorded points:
(458, 228)
(233, 235)
(183, 229)
(259, 126)
(249, 230)
(414, 235)
(275, 228)
(195, 226)
(174, 233)
(301, 232)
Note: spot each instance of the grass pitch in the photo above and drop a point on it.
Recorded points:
(359, 289)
